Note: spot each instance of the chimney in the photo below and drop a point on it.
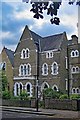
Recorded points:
(74, 39)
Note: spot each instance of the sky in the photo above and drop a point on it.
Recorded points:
(15, 15)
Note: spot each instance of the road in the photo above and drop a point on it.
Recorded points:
(10, 114)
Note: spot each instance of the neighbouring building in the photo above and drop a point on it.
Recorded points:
(56, 57)
(7, 65)
(74, 65)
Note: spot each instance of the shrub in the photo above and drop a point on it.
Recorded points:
(6, 95)
(23, 95)
(15, 97)
(64, 96)
(49, 92)
(74, 96)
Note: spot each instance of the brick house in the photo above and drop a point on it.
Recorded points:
(52, 60)
(7, 65)
(56, 58)
(74, 65)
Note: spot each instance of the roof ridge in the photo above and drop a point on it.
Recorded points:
(35, 33)
(53, 35)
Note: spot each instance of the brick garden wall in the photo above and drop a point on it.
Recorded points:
(48, 104)
(62, 104)
(19, 103)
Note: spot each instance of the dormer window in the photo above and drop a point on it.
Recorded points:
(25, 53)
(74, 53)
(49, 54)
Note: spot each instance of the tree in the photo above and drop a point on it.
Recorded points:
(50, 6)
(3, 81)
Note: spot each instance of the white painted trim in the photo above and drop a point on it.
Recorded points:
(22, 78)
(42, 86)
(55, 86)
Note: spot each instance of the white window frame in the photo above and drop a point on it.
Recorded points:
(75, 55)
(75, 90)
(15, 89)
(43, 72)
(28, 74)
(48, 54)
(43, 85)
(56, 87)
(26, 70)
(20, 74)
(27, 55)
(22, 56)
(56, 68)
(29, 93)
(73, 72)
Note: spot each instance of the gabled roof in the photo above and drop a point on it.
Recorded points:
(45, 43)
(49, 42)
(10, 55)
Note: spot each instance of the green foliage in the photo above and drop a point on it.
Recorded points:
(6, 95)
(23, 95)
(49, 92)
(15, 98)
(64, 96)
(41, 104)
(3, 81)
(75, 96)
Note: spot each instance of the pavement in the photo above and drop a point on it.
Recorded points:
(48, 112)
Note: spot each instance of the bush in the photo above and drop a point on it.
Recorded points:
(23, 95)
(49, 92)
(75, 96)
(15, 98)
(65, 96)
(6, 95)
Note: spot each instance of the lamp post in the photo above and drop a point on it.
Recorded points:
(37, 76)
(68, 71)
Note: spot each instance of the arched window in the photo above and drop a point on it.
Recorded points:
(23, 54)
(44, 86)
(28, 69)
(28, 88)
(74, 53)
(54, 68)
(73, 90)
(16, 89)
(77, 90)
(25, 69)
(21, 70)
(55, 88)
(20, 88)
(27, 53)
(75, 69)
(45, 69)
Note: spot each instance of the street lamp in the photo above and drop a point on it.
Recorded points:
(68, 71)
(37, 76)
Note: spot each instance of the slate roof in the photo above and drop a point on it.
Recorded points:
(49, 42)
(10, 54)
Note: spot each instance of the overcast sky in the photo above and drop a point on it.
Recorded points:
(16, 14)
